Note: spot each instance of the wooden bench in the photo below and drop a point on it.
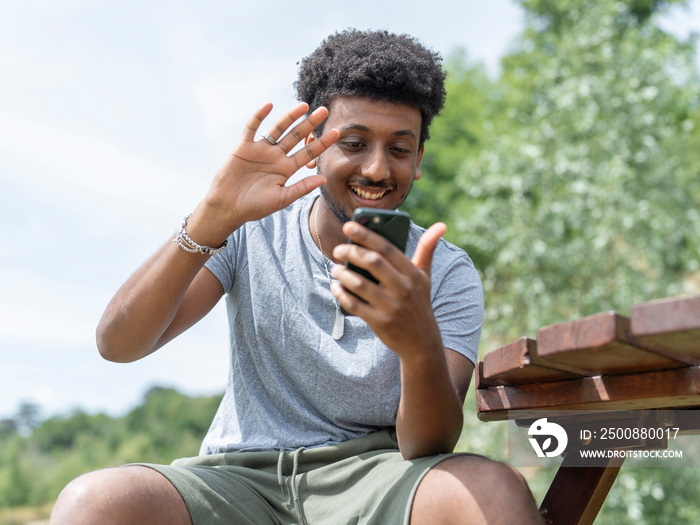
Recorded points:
(647, 363)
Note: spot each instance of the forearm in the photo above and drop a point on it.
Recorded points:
(429, 419)
(143, 308)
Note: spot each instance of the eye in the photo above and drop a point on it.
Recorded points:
(401, 151)
(351, 144)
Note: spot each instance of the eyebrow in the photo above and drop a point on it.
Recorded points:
(360, 127)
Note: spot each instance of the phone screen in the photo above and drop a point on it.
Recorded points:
(391, 224)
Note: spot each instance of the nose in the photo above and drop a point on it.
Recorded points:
(376, 165)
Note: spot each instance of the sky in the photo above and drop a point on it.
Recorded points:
(114, 116)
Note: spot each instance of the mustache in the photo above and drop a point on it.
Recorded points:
(375, 185)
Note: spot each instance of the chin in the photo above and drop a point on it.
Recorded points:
(340, 213)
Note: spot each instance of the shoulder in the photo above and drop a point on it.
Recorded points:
(452, 272)
(447, 256)
(456, 295)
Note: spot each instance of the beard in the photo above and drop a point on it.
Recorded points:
(339, 212)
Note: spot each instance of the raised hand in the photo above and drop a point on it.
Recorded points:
(251, 184)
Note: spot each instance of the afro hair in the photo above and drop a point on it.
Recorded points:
(375, 64)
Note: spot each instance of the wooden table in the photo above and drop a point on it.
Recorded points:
(646, 364)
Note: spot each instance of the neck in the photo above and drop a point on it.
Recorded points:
(326, 228)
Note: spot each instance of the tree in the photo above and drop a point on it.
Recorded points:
(35, 467)
(27, 417)
(458, 133)
(583, 199)
(8, 427)
(580, 194)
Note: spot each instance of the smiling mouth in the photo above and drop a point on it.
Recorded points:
(368, 195)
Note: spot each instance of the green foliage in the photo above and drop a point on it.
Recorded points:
(576, 190)
(557, 16)
(35, 467)
(170, 423)
(457, 134)
(653, 496)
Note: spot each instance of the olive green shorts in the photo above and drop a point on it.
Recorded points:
(362, 481)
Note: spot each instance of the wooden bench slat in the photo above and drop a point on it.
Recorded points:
(652, 360)
(600, 343)
(668, 325)
(675, 388)
(518, 362)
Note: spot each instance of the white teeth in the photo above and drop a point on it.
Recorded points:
(366, 194)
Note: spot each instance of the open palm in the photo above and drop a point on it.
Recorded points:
(251, 184)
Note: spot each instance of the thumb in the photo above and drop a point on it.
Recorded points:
(423, 257)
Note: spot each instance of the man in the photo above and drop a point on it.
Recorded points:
(340, 407)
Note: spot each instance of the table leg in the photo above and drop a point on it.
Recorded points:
(577, 493)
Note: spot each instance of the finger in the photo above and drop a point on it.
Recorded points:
(302, 130)
(283, 123)
(377, 243)
(423, 256)
(377, 264)
(349, 302)
(372, 252)
(313, 149)
(252, 126)
(302, 187)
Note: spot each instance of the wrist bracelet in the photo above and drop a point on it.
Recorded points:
(186, 243)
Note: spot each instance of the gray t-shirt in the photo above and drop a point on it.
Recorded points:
(290, 383)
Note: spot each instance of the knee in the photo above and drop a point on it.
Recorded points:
(485, 490)
(503, 485)
(511, 500)
(501, 477)
(131, 494)
(79, 500)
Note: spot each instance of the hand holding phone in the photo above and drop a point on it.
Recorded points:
(390, 224)
(393, 225)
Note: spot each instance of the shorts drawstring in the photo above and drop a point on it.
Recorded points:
(295, 494)
(280, 459)
(293, 478)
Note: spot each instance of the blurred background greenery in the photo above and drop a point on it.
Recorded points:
(573, 181)
(572, 178)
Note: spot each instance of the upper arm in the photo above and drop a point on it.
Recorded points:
(199, 299)
(461, 370)
(458, 302)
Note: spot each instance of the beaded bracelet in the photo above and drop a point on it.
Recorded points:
(186, 243)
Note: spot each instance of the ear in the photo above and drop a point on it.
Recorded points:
(308, 140)
(417, 175)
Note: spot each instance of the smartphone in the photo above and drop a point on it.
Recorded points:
(390, 224)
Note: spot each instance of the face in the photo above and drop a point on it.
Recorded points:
(376, 159)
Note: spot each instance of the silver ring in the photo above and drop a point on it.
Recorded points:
(269, 138)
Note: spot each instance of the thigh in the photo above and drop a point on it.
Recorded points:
(473, 489)
(225, 494)
(121, 495)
